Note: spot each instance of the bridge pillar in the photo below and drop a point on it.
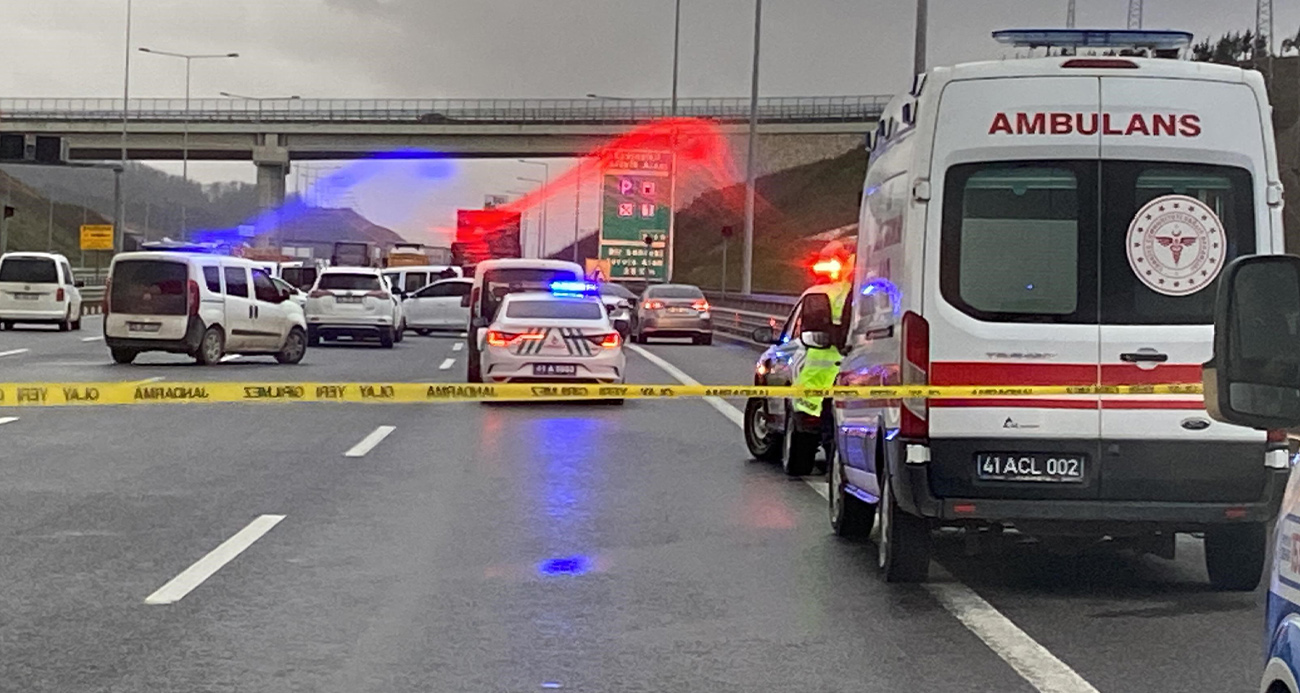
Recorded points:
(272, 169)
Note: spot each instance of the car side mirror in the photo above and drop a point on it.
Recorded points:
(765, 335)
(1253, 378)
(815, 339)
(80, 284)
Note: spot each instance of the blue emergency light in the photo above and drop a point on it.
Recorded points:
(1160, 40)
(572, 288)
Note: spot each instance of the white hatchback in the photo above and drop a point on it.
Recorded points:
(39, 288)
(438, 306)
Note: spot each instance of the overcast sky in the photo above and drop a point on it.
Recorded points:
(517, 48)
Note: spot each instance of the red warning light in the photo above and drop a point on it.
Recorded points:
(830, 268)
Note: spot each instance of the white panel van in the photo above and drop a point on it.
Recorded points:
(1059, 221)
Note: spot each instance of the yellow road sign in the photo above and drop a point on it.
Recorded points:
(97, 237)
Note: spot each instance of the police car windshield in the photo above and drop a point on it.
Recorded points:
(677, 291)
(553, 310)
(30, 270)
(350, 282)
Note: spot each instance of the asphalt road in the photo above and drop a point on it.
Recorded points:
(515, 548)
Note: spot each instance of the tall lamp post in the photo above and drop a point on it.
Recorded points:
(189, 59)
(541, 225)
(546, 200)
(747, 253)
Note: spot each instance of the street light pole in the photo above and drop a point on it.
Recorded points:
(546, 200)
(119, 200)
(677, 37)
(747, 253)
(185, 123)
(577, 208)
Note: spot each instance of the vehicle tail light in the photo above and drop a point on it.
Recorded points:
(320, 293)
(108, 293)
(1101, 63)
(609, 340)
(193, 294)
(58, 295)
(701, 305)
(914, 423)
(1277, 439)
(497, 338)
(652, 304)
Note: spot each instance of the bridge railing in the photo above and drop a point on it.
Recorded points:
(792, 109)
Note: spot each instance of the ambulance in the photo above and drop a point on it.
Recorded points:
(1058, 221)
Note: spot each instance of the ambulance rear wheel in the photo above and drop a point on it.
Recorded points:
(904, 551)
(1235, 555)
(799, 448)
(764, 443)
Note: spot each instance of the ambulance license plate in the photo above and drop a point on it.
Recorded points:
(545, 369)
(1030, 466)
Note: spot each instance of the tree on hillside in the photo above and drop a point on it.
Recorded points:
(1230, 49)
(1291, 44)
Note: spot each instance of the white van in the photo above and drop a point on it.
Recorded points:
(408, 280)
(1058, 221)
(39, 288)
(202, 305)
(493, 279)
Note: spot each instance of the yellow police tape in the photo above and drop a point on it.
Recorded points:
(58, 394)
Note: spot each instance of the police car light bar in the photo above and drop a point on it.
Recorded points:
(574, 288)
(1095, 38)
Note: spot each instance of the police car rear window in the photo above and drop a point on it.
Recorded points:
(554, 310)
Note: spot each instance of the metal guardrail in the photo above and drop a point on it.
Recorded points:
(738, 315)
(92, 300)
(789, 109)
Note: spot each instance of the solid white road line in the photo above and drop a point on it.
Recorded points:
(447, 364)
(1035, 663)
(193, 576)
(7, 419)
(14, 352)
(457, 346)
(92, 339)
(732, 413)
(230, 357)
(369, 442)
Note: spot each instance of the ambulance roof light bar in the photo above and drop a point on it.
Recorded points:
(1160, 40)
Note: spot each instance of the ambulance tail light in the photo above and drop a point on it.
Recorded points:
(1100, 64)
(914, 423)
(193, 294)
(1277, 439)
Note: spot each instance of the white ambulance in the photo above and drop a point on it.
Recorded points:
(1058, 221)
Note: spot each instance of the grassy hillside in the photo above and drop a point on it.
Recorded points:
(28, 229)
(791, 205)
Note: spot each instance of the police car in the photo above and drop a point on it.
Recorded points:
(561, 335)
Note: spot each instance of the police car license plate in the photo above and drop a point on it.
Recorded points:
(1030, 466)
(143, 326)
(555, 369)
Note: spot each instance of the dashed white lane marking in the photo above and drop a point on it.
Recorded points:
(1035, 663)
(733, 414)
(92, 339)
(14, 352)
(230, 357)
(458, 346)
(205, 567)
(7, 419)
(369, 442)
(446, 364)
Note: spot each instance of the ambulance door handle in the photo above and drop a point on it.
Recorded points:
(1143, 356)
